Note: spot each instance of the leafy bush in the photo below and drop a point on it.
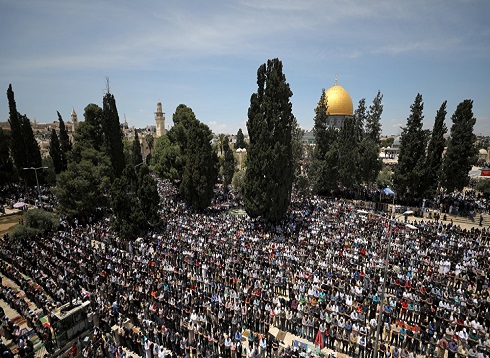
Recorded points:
(37, 221)
(483, 186)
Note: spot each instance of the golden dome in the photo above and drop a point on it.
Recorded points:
(339, 102)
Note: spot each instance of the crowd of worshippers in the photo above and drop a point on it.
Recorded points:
(11, 330)
(15, 193)
(203, 280)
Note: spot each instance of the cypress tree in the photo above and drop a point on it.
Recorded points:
(229, 164)
(91, 129)
(434, 152)
(324, 171)
(200, 171)
(65, 143)
(129, 218)
(269, 176)
(298, 153)
(112, 134)
(32, 146)
(24, 147)
(64, 138)
(148, 197)
(369, 162)
(240, 140)
(360, 119)
(461, 152)
(409, 171)
(348, 153)
(136, 156)
(55, 152)
(17, 147)
(321, 126)
(7, 171)
(373, 120)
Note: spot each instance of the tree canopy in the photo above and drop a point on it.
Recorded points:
(55, 152)
(409, 172)
(228, 163)
(270, 171)
(240, 140)
(186, 155)
(134, 201)
(136, 155)
(82, 188)
(65, 143)
(200, 171)
(7, 170)
(23, 146)
(111, 129)
(435, 149)
(461, 152)
(324, 171)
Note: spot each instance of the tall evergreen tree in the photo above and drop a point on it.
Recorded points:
(150, 141)
(23, 145)
(220, 143)
(409, 172)
(136, 156)
(229, 164)
(240, 140)
(65, 143)
(200, 171)
(373, 120)
(461, 151)
(167, 160)
(360, 119)
(81, 188)
(128, 217)
(148, 196)
(7, 170)
(91, 130)
(369, 164)
(269, 176)
(348, 153)
(434, 153)
(17, 147)
(88, 133)
(112, 134)
(297, 150)
(55, 152)
(324, 171)
(186, 154)
(321, 126)
(32, 146)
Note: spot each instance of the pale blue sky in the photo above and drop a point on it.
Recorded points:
(205, 54)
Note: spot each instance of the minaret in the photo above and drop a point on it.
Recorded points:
(160, 120)
(74, 120)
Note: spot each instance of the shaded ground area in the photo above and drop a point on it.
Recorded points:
(7, 222)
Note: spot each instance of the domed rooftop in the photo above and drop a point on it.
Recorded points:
(339, 102)
(483, 151)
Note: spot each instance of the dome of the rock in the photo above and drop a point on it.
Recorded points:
(339, 102)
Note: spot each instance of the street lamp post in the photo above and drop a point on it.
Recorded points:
(37, 181)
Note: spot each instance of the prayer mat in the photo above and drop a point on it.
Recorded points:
(281, 335)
